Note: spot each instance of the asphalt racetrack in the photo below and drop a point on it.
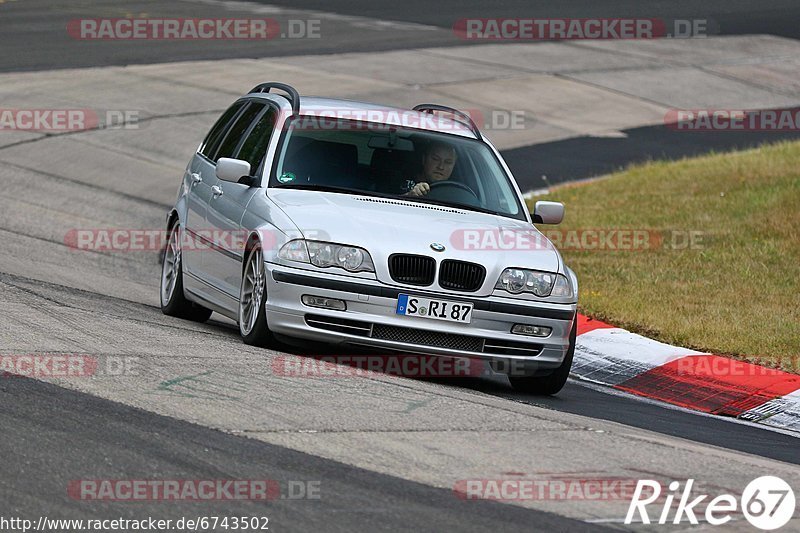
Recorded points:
(385, 452)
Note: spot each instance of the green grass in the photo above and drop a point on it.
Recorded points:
(738, 293)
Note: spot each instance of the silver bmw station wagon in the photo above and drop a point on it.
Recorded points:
(369, 226)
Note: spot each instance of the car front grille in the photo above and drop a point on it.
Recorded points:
(461, 276)
(423, 337)
(412, 269)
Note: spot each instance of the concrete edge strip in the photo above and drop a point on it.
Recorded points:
(699, 381)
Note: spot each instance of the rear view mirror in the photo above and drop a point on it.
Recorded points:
(232, 169)
(548, 212)
(382, 142)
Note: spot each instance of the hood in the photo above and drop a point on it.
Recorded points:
(384, 226)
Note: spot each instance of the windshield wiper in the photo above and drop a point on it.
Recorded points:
(312, 187)
(454, 204)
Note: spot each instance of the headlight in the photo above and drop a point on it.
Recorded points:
(518, 280)
(350, 257)
(327, 254)
(322, 254)
(512, 280)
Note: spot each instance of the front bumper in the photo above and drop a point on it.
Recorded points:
(370, 320)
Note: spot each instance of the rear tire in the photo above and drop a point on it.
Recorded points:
(552, 383)
(173, 300)
(252, 300)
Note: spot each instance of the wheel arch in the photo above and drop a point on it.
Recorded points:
(172, 216)
(252, 239)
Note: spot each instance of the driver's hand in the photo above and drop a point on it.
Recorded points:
(420, 189)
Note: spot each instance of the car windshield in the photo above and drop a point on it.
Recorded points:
(377, 159)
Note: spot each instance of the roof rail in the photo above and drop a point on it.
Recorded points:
(294, 96)
(465, 118)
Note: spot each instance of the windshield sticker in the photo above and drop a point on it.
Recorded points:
(286, 177)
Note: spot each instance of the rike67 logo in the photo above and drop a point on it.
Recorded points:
(767, 502)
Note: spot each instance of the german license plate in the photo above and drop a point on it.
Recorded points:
(436, 309)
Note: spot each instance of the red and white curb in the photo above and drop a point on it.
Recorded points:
(700, 381)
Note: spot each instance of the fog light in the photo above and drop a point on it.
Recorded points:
(533, 331)
(325, 303)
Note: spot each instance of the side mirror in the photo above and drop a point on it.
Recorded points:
(548, 212)
(232, 169)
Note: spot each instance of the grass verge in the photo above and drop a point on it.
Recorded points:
(719, 267)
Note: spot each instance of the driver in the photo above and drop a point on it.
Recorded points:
(437, 165)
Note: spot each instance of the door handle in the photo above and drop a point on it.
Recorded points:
(196, 178)
(216, 191)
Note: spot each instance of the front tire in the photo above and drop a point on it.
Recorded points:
(552, 383)
(173, 300)
(252, 300)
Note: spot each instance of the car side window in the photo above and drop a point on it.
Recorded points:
(217, 132)
(254, 148)
(236, 133)
(497, 198)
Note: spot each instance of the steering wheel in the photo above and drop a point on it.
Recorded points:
(447, 183)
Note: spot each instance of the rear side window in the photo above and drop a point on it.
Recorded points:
(236, 132)
(254, 147)
(215, 136)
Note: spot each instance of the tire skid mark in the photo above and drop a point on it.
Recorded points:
(124, 257)
(100, 296)
(92, 186)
